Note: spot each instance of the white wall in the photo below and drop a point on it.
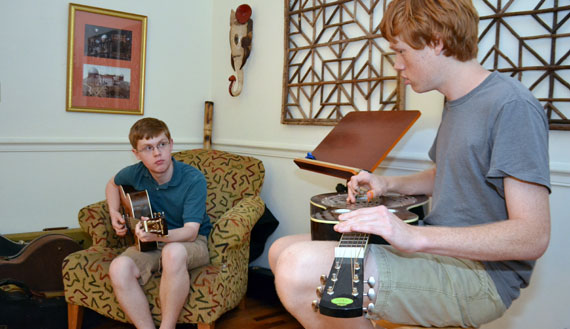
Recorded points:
(53, 162)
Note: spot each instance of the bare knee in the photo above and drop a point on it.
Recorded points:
(274, 252)
(281, 244)
(174, 257)
(122, 269)
(295, 261)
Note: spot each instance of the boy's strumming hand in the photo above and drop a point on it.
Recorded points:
(118, 223)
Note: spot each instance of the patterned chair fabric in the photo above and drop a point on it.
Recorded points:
(234, 206)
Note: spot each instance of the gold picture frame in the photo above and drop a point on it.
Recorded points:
(106, 54)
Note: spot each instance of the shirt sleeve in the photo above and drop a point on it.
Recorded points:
(126, 176)
(519, 146)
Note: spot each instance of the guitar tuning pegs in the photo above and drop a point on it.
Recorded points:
(355, 278)
(371, 282)
(371, 294)
(323, 279)
(320, 290)
(315, 305)
(354, 291)
(334, 277)
(369, 308)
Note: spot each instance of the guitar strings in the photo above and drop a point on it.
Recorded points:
(356, 241)
(359, 241)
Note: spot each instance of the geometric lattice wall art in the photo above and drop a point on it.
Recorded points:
(530, 41)
(336, 62)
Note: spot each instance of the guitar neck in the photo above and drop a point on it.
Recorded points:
(352, 245)
(342, 293)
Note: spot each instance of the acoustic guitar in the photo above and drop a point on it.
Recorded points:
(136, 204)
(325, 209)
(342, 292)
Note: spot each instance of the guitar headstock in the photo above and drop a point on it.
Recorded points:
(156, 224)
(342, 292)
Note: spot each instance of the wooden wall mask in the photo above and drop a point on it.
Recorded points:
(241, 34)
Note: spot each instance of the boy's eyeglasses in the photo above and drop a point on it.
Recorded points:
(150, 148)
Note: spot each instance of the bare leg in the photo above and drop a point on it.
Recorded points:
(174, 284)
(281, 244)
(124, 277)
(297, 272)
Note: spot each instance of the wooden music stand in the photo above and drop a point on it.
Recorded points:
(360, 141)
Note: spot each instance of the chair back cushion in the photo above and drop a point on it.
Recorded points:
(230, 177)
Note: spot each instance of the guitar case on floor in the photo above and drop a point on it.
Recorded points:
(28, 273)
(36, 264)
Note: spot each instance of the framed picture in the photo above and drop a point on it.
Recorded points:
(105, 61)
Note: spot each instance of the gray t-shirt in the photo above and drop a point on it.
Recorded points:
(497, 130)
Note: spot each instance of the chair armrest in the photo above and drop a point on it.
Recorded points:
(233, 229)
(96, 221)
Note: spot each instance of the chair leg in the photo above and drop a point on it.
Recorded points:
(206, 325)
(74, 316)
(242, 305)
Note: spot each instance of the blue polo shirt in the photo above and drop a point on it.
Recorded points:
(182, 199)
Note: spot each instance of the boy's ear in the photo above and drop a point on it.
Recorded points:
(437, 45)
(135, 153)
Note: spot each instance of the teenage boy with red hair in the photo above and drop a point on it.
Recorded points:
(490, 185)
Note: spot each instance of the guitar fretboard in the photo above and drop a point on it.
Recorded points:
(352, 245)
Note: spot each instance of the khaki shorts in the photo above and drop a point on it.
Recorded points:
(150, 261)
(431, 290)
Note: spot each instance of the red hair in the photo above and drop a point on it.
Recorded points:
(147, 128)
(420, 23)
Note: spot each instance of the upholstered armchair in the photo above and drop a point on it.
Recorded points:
(234, 206)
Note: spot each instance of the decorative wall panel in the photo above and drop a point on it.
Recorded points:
(336, 61)
(530, 40)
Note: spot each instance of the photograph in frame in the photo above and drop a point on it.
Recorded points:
(106, 61)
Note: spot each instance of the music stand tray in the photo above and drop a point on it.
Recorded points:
(360, 141)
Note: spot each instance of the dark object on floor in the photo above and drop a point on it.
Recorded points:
(261, 285)
(266, 225)
(22, 309)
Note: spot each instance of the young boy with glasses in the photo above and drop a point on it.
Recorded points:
(178, 190)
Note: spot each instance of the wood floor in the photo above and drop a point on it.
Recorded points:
(258, 314)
